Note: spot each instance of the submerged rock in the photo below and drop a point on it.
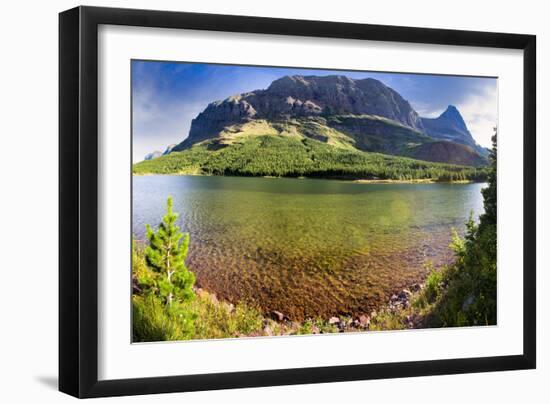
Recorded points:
(334, 320)
(277, 316)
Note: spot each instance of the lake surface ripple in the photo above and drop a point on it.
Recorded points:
(308, 248)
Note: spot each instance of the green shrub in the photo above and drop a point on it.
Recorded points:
(465, 292)
(387, 320)
(433, 286)
(247, 319)
(470, 297)
(306, 328)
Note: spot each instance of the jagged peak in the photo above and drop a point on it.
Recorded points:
(453, 114)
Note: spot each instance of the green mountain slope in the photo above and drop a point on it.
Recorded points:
(447, 152)
(377, 134)
(293, 149)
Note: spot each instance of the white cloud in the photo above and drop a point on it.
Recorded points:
(157, 123)
(426, 110)
(480, 112)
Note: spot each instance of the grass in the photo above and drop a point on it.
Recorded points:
(152, 322)
(210, 319)
(387, 320)
(217, 319)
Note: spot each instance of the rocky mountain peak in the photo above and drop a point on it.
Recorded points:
(451, 126)
(304, 96)
(453, 116)
(301, 83)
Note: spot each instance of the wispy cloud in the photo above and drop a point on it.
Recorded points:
(475, 98)
(158, 124)
(426, 110)
(480, 111)
(160, 114)
(167, 96)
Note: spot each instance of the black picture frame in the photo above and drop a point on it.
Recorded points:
(78, 201)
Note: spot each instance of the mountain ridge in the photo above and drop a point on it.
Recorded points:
(450, 125)
(157, 153)
(300, 96)
(363, 114)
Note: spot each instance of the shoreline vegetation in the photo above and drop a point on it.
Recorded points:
(356, 181)
(167, 305)
(294, 157)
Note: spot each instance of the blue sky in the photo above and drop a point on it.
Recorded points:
(168, 95)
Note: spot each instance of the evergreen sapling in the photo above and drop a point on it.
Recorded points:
(168, 278)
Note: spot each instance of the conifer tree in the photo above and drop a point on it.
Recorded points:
(490, 193)
(169, 278)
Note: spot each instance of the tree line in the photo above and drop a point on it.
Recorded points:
(294, 157)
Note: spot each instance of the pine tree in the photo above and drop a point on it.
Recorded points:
(490, 193)
(169, 278)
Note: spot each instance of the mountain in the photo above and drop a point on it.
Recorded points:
(152, 155)
(303, 96)
(447, 152)
(451, 126)
(156, 153)
(324, 125)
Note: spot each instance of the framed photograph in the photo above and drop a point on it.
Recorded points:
(251, 201)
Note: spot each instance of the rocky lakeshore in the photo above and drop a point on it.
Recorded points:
(395, 314)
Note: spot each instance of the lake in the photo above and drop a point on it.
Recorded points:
(308, 247)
